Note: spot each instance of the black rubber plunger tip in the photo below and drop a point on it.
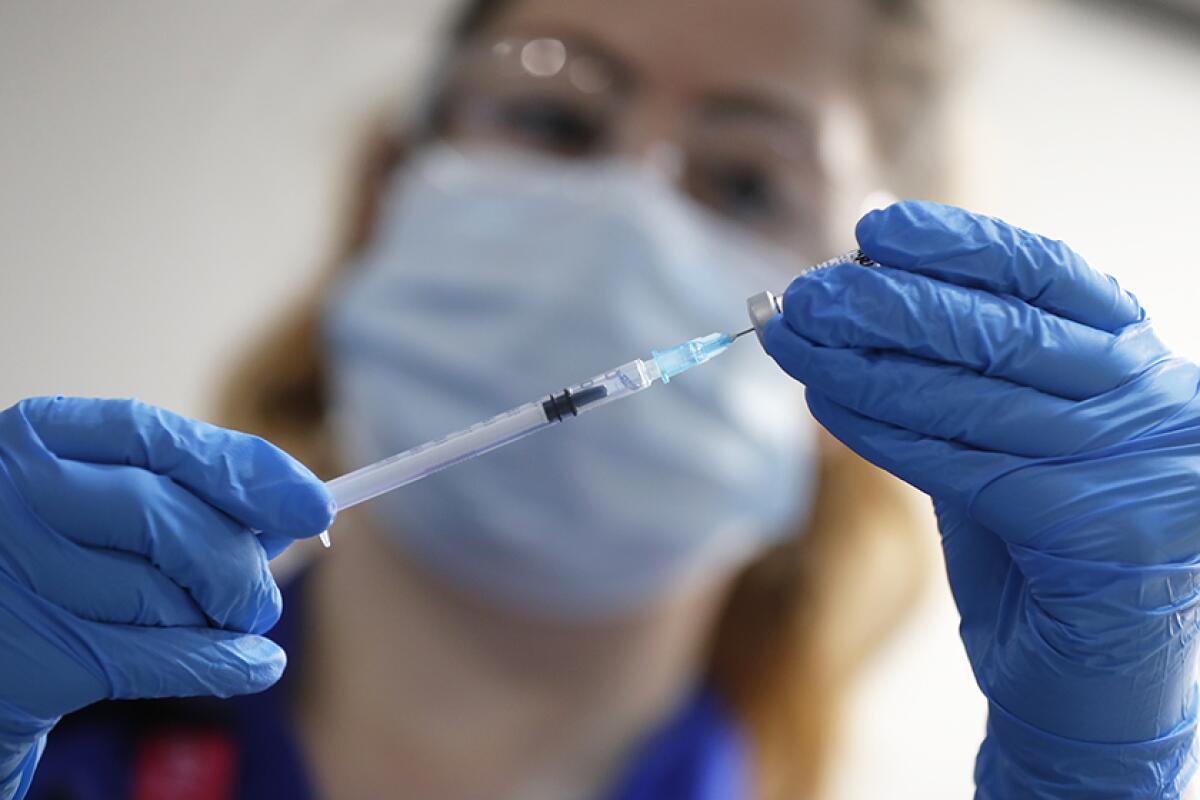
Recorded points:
(557, 406)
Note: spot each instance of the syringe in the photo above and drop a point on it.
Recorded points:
(425, 459)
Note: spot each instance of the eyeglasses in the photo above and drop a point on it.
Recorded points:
(751, 164)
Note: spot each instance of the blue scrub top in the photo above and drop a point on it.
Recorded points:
(244, 748)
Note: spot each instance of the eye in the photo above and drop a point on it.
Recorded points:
(552, 124)
(741, 190)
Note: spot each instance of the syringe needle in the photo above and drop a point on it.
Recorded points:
(740, 334)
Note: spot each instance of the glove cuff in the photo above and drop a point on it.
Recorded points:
(1019, 760)
(22, 740)
(15, 785)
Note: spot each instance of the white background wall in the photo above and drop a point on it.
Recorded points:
(169, 172)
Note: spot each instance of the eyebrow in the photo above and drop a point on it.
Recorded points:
(793, 126)
(755, 104)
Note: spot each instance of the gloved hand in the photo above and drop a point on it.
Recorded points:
(127, 565)
(1028, 395)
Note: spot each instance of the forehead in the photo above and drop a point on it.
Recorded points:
(791, 48)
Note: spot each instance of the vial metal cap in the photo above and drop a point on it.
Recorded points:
(762, 307)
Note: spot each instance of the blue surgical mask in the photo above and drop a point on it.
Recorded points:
(495, 278)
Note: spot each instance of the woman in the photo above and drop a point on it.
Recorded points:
(781, 645)
(771, 630)
(665, 598)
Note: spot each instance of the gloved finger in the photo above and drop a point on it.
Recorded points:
(980, 252)
(274, 543)
(200, 548)
(98, 585)
(186, 662)
(124, 663)
(105, 586)
(1000, 336)
(958, 404)
(948, 470)
(217, 560)
(248, 478)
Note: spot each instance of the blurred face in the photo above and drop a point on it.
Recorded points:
(747, 104)
(493, 277)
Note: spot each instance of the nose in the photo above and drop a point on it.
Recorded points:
(652, 134)
(664, 157)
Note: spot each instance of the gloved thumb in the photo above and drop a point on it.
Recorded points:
(249, 479)
(132, 662)
(186, 662)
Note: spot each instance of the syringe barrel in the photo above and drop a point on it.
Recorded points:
(765, 305)
(426, 459)
(608, 386)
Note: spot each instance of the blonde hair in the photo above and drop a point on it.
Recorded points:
(802, 617)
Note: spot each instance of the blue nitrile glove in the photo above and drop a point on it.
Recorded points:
(128, 567)
(1060, 441)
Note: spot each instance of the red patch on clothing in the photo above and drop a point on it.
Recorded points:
(187, 765)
